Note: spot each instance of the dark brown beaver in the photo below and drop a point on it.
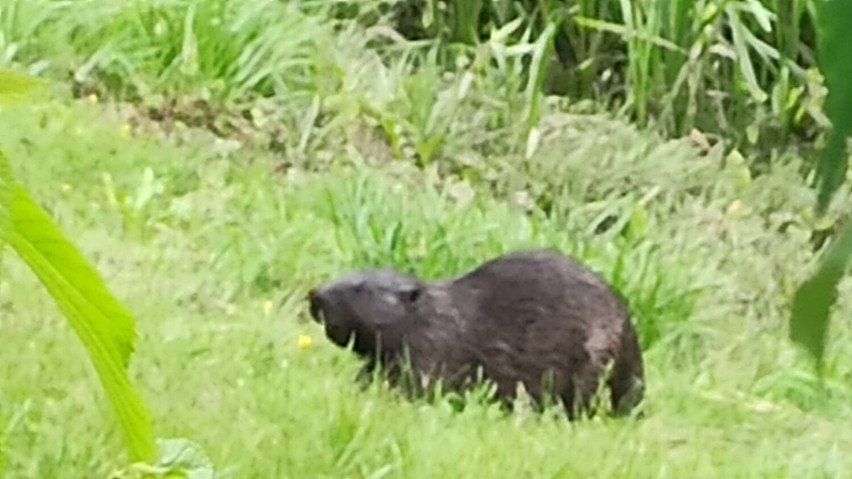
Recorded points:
(534, 317)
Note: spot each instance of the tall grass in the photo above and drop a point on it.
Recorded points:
(738, 70)
(282, 69)
(743, 69)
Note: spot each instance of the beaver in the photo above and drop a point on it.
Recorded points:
(534, 317)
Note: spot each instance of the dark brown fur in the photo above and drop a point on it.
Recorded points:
(527, 316)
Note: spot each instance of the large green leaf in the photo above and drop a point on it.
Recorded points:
(13, 87)
(104, 326)
(835, 59)
(814, 299)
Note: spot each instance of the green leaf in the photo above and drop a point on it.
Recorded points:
(15, 86)
(2, 454)
(176, 459)
(185, 456)
(814, 299)
(5, 198)
(639, 220)
(104, 326)
(835, 60)
(464, 16)
(538, 70)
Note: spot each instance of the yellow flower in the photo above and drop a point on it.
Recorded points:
(66, 187)
(125, 130)
(734, 207)
(304, 341)
(267, 307)
(92, 98)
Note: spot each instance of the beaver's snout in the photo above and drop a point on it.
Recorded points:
(317, 304)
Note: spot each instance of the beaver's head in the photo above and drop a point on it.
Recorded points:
(373, 308)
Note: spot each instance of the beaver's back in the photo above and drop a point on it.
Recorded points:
(529, 313)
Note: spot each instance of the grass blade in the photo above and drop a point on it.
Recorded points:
(738, 31)
(538, 67)
(104, 326)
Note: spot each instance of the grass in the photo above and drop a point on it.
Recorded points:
(743, 69)
(213, 242)
(197, 242)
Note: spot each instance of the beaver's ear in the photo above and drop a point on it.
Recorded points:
(411, 293)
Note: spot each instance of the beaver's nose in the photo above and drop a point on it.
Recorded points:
(317, 303)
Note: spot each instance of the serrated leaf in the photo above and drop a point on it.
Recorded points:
(15, 86)
(102, 323)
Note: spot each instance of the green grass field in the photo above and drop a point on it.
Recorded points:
(213, 243)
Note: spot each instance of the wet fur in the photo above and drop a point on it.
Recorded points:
(533, 317)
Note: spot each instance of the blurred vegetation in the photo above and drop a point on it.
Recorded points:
(216, 158)
(742, 72)
(817, 296)
(742, 69)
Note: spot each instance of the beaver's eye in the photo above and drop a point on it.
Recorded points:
(410, 295)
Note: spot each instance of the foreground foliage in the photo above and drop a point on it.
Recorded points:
(104, 326)
(335, 146)
(814, 299)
